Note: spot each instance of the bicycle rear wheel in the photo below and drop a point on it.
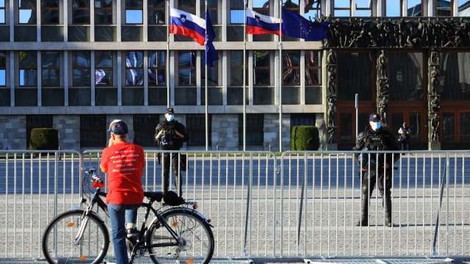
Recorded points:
(60, 243)
(194, 243)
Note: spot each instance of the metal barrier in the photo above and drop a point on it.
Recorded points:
(292, 205)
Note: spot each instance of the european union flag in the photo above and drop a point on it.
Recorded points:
(296, 26)
(211, 53)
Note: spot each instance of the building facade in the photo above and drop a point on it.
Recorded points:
(75, 65)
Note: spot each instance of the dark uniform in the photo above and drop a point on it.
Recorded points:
(376, 168)
(167, 138)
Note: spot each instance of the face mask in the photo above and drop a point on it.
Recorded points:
(169, 118)
(375, 125)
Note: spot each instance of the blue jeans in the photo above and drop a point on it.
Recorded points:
(120, 214)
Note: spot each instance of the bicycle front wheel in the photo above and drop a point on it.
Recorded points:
(73, 237)
(194, 242)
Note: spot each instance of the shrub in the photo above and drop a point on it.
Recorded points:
(44, 139)
(304, 138)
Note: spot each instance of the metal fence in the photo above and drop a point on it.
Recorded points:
(264, 204)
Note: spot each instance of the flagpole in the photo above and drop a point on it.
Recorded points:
(167, 60)
(280, 76)
(205, 85)
(244, 75)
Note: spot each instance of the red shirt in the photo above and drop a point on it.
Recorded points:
(124, 163)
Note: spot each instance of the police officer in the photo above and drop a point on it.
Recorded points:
(170, 135)
(376, 167)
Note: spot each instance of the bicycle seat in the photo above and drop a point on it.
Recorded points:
(154, 196)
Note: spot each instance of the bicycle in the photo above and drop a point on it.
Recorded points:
(178, 232)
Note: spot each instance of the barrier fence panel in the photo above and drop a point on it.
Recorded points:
(293, 204)
(34, 187)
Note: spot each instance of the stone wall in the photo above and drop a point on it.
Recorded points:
(225, 132)
(13, 132)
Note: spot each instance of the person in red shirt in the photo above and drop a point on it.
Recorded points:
(123, 162)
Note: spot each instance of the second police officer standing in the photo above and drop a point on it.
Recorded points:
(376, 167)
(170, 135)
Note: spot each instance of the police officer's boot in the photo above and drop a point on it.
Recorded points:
(364, 209)
(388, 209)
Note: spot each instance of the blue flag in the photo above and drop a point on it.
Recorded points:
(211, 54)
(296, 26)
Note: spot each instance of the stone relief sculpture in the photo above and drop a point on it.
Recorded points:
(434, 96)
(410, 32)
(382, 86)
(331, 96)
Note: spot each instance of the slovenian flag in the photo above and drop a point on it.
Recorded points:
(258, 24)
(187, 24)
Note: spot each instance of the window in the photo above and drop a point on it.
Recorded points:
(104, 12)
(104, 68)
(312, 9)
(187, 68)
(405, 76)
(50, 63)
(443, 8)
(134, 68)
(355, 79)
(144, 128)
(237, 12)
(134, 12)
(188, 6)
(263, 91)
(264, 7)
(156, 12)
(262, 69)
(157, 68)
(254, 130)
(463, 8)
(342, 8)
(93, 131)
(50, 12)
(291, 68)
(79, 93)
(27, 12)
(134, 78)
(81, 12)
(414, 8)
(27, 71)
(235, 76)
(363, 8)
(81, 68)
(313, 91)
(196, 130)
(157, 92)
(393, 8)
(4, 90)
(2, 12)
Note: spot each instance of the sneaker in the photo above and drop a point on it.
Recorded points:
(132, 232)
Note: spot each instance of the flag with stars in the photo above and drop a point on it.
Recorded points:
(296, 26)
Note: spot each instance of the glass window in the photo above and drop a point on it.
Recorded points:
(342, 8)
(448, 128)
(464, 127)
(50, 63)
(262, 69)
(81, 68)
(26, 11)
(392, 8)
(27, 68)
(142, 125)
(81, 12)
(2, 11)
(104, 68)
(236, 68)
(255, 125)
(187, 68)
(405, 76)
(104, 12)
(157, 68)
(188, 6)
(3, 67)
(443, 8)
(363, 8)
(196, 127)
(50, 12)
(292, 5)
(134, 12)
(456, 84)
(354, 79)
(414, 8)
(312, 9)
(312, 68)
(237, 12)
(92, 131)
(291, 68)
(156, 12)
(213, 72)
(463, 8)
(134, 68)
